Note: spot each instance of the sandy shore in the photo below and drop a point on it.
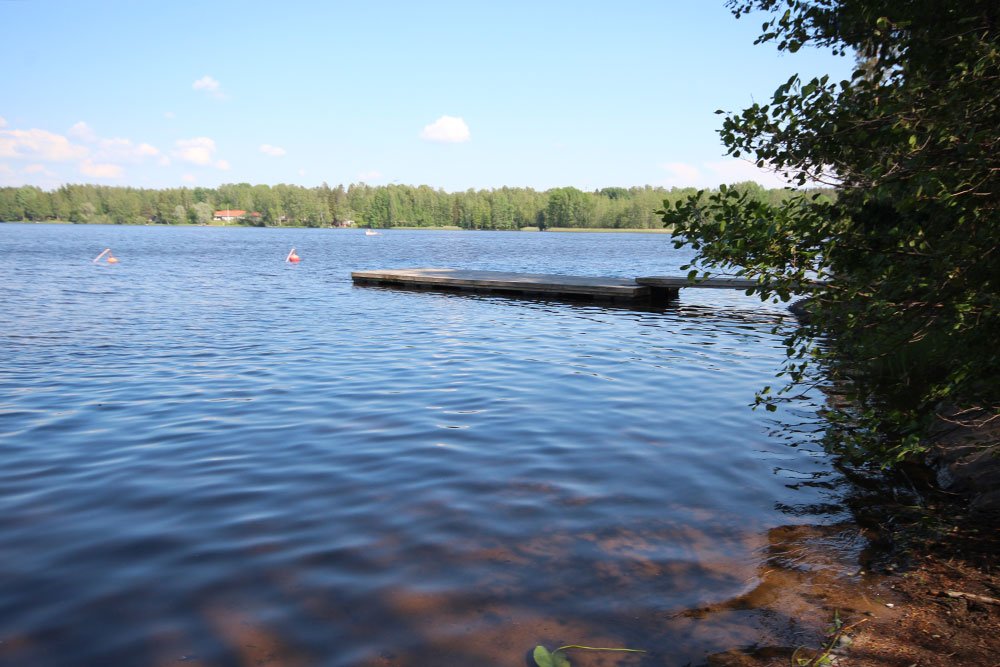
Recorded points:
(926, 592)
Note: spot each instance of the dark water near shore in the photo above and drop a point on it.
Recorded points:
(212, 457)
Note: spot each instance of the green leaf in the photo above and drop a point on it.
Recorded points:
(542, 657)
(559, 659)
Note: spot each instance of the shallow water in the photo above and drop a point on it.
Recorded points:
(213, 457)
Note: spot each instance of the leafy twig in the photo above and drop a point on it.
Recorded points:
(557, 658)
(835, 632)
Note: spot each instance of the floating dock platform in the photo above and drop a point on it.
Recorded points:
(649, 288)
(502, 282)
(668, 287)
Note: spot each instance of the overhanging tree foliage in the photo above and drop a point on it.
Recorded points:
(910, 318)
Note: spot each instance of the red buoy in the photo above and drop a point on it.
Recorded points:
(112, 260)
(293, 258)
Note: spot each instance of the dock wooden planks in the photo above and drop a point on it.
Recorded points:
(655, 288)
(539, 284)
(668, 287)
(676, 282)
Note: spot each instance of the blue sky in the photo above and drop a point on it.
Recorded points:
(456, 95)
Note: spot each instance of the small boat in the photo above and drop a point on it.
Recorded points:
(372, 232)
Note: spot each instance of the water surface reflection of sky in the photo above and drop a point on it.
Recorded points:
(213, 456)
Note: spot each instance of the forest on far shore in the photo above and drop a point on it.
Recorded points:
(366, 205)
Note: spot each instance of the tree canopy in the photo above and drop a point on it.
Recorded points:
(908, 322)
(373, 206)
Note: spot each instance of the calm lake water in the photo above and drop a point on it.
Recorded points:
(212, 457)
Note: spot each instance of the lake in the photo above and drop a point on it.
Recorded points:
(214, 457)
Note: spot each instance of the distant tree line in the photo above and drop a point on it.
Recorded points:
(372, 206)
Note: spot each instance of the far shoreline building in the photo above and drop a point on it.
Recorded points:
(231, 215)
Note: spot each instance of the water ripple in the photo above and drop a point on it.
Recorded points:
(213, 457)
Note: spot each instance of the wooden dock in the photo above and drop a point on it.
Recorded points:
(502, 282)
(676, 282)
(649, 288)
(668, 287)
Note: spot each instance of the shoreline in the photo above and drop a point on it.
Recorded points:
(925, 590)
(446, 228)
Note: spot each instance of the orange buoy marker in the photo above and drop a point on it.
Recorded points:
(111, 258)
(292, 257)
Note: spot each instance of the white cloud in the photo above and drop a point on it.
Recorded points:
(38, 144)
(83, 132)
(714, 173)
(681, 173)
(94, 170)
(38, 169)
(7, 176)
(446, 129)
(211, 87)
(169, 115)
(734, 171)
(206, 83)
(188, 178)
(199, 150)
(100, 158)
(116, 149)
(3, 122)
(302, 172)
(273, 151)
(371, 175)
(124, 150)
